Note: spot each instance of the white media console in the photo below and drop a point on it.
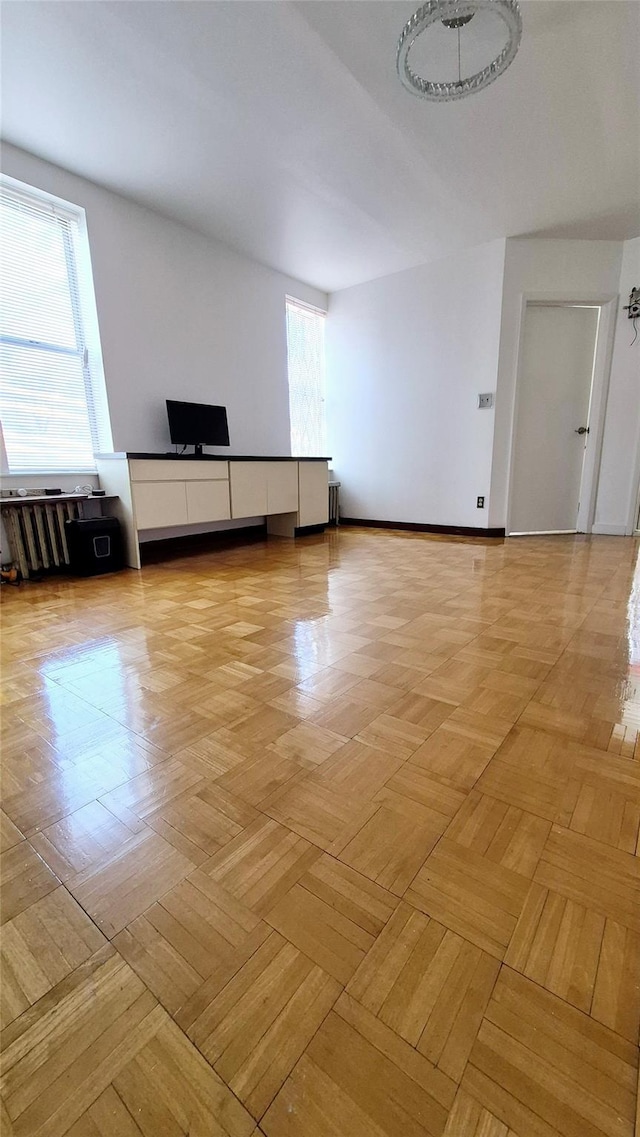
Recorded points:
(161, 491)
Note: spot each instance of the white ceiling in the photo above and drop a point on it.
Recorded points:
(283, 130)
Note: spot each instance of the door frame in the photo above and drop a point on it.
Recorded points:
(608, 308)
(634, 528)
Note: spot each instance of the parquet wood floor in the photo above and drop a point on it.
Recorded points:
(334, 838)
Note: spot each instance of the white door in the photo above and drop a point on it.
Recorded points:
(554, 392)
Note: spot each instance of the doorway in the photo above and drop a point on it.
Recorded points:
(553, 435)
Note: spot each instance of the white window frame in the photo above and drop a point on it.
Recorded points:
(295, 302)
(85, 320)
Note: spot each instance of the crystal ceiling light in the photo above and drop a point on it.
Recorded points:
(457, 14)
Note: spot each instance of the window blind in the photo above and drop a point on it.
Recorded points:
(52, 420)
(305, 359)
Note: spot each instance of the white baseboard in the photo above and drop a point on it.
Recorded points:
(609, 530)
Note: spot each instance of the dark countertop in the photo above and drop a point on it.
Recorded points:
(171, 456)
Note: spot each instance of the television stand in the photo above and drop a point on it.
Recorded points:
(158, 491)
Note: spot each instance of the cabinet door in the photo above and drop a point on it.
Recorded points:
(159, 504)
(154, 470)
(205, 471)
(208, 501)
(174, 469)
(313, 481)
(248, 483)
(282, 487)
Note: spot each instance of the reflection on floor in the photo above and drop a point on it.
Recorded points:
(333, 838)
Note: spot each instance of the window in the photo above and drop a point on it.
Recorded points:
(305, 357)
(52, 399)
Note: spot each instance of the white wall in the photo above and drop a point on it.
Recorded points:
(407, 356)
(565, 269)
(620, 464)
(181, 316)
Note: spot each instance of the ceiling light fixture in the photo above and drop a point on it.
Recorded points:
(456, 15)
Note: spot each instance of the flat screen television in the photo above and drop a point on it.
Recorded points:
(197, 424)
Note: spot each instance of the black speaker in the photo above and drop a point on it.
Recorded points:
(95, 545)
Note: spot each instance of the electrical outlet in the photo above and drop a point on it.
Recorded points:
(479, 503)
(485, 401)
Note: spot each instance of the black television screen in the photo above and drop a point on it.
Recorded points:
(197, 424)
